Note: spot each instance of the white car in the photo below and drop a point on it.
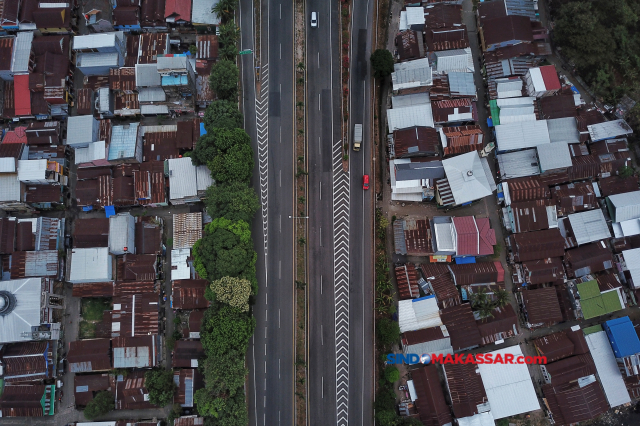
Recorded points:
(314, 19)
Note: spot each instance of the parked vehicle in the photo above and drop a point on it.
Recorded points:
(314, 19)
(357, 137)
(365, 182)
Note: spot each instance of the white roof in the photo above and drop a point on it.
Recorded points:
(124, 141)
(154, 109)
(26, 313)
(462, 84)
(434, 347)
(21, 52)
(554, 156)
(444, 236)
(562, 130)
(537, 80)
(97, 59)
(90, 265)
(627, 205)
(180, 269)
(8, 164)
(416, 314)
(458, 60)
(203, 178)
(589, 226)
(93, 151)
(10, 187)
(31, 170)
(509, 88)
(404, 25)
(416, 63)
(416, 115)
(607, 367)
(608, 130)
(182, 176)
(415, 16)
(523, 100)
(201, 12)
(520, 135)
(629, 228)
(96, 41)
(410, 100)
(480, 419)
(632, 260)
(508, 386)
(82, 129)
(151, 94)
(122, 233)
(147, 75)
(516, 114)
(518, 164)
(413, 77)
(467, 177)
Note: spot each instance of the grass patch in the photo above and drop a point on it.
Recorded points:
(93, 308)
(86, 330)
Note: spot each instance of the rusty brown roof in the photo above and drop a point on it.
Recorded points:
(7, 235)
(574, 197)
(571, 368)
(543, 271)
(416, 141)
(571, 403)
(113, 288)
(131, 58)
(407, 45)
(476, 273)
(608, 281)
(422, 336)
(502, 325)
(93, 172)
(93, 232)
(207, 45)
(530, 215)
(152, 44)
(188, 421)
(187, 353)
(84, 101)
(148, 236)
(461, 326)
(25, 237)
(150, 183)
(195, 321)
(560, 106)
(131, 392)
(537, 245)
(507, 28)
(407, 281)
(542, 306)
(43, 194)
(25, 400)
(160, 146)
(43, 263)
(187, 377)
(561, 345)
(465, 388)
(187, 229)
(86, 385)
(417, 235)
(616, 185)
(137, 315)
(442, 283)
(136, 267)
(189, 294)
(89, 355)
(431, 404)
(462, 139)
(28, 362)
(446, 38)
(588, 259)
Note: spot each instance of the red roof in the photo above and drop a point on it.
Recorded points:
(550, 77)
(500, 270)
(22, 95)
(475, 236)
(18, 135)
(181, 9)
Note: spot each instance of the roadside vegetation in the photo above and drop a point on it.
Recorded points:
(92, 311)
(602, 39)
(225, 255)
(100, 405)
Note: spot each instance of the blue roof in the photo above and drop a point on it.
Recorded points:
(623, 337)
(178, 80)
(203, 131)
(110, 210)
(123, 141)
(465, 260)
(423, 298)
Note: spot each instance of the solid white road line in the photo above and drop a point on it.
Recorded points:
(318, 59)
(318, 101)
(280, 10)
(278, 318)
(278, 368)
(321, 335)
(279, 269)
(320, 237)
(320, 284)
(321, 190)
(280, 178)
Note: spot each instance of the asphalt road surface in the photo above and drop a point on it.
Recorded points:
(269, 119)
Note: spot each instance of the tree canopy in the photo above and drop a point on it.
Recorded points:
(233, 291)
(222, 114)
(382, 63)
(226, 250)
(160, 385)
(602, 38)
(227, 153)
(224, 80)
(392, 374)
(233, 200)
(100, 405)
(388, 331)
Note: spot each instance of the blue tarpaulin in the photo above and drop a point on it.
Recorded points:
(203, 131)
(87, 208)
(110, 210)
(465, 260)
(489, 122)
(574, 89)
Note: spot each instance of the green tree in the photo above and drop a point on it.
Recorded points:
(160, 385)
(502, 297)
(233, 200)
(229, 33)
(388, 332)
(226, 250)
(392, 374)
(220, 411)
(382, 63)
(224, 80)
(193, 49)
(227, 153)
(222, 114)
(100, 405)
(233, 291)
(228, 52)
(225, 330)
(225, 9)
(387, 418)
(625, 171)
(225, 375)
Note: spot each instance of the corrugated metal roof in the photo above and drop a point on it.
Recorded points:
(515, 136)
(32, 170)
(124, 141)
(182, 175)
(96, 41)
(632, 260)
(82, 129)
(91, 59)
(42, 263)
(607, 367)
(518, 164)
(563, 130)
(458, 60)
(554, 156)
(589, 226)
(467, 178)
(122, 233)
(202, 12)
(147, 75)
(94, 151)
(21, 52)
(151, 94)
(187, 229)
(509, 387)
(626, 206)
(413, 77)
(180, 268)
(10, 187)
(462, 329)
(461, 84)
(90, 265)
(416, 314)
(416, 115)
(415, 16)
(154, 109)
(542, 306)
(23, 309)
(609, 130)
(134, 352)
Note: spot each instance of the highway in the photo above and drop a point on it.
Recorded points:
(340, 337)
(269, 120)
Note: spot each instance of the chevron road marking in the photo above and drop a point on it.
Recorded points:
(262, 126)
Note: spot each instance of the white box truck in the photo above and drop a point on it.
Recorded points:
(357, 137)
